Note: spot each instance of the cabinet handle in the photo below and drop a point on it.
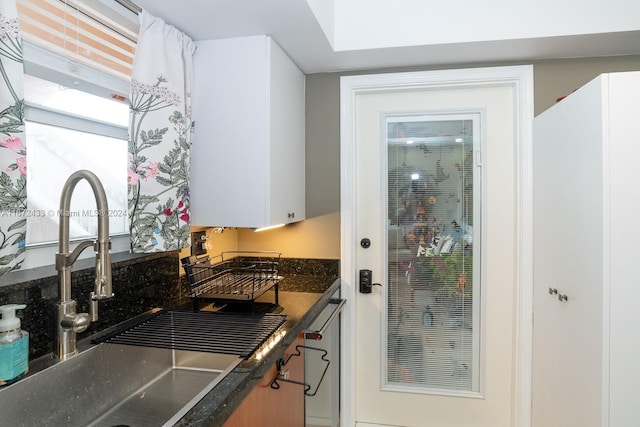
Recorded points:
(317, 335)
(561, 297)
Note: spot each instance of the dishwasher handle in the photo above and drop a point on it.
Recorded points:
(317, 335)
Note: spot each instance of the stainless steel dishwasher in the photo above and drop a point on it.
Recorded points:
(322, 366)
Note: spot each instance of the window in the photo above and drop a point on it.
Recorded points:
(433, 297)
(78, 58)
(61, 141)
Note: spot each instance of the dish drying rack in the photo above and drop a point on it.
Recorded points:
(232, 276)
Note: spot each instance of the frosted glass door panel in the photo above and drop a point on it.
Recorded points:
(433, 292)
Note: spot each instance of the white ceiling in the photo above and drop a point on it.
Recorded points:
(294, 27)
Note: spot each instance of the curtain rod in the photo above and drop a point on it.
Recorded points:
(128, 4)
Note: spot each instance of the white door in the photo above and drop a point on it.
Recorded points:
(436, 184)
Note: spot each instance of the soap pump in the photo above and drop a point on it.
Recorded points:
(14, 344)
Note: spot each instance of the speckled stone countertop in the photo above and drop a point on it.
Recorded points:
(301, 309)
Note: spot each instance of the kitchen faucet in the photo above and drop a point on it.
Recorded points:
(69, 323)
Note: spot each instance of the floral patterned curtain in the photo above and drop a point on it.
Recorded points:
(13, 182)
(160, 138)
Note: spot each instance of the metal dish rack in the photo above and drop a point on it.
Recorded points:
(240, 334)
(232, 276)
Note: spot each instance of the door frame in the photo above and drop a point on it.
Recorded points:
(521, 79)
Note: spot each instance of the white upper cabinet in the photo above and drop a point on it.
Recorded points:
(247, 157)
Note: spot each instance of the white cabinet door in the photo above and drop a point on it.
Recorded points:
(247, 166)
(584, 354)
(287, 157)
(568, 250)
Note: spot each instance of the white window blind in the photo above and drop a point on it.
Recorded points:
(81, 31)
(432, 313)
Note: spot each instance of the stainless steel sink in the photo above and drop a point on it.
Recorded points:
(115, 385)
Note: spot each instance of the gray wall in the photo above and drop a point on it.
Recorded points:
(322, 122)
(552, 79)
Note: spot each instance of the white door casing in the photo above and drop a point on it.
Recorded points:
(518, 82)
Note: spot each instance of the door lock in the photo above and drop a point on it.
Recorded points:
(366, 281)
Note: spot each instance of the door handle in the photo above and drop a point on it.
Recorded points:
(366, 281)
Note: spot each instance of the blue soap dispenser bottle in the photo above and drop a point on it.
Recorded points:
(14, 344)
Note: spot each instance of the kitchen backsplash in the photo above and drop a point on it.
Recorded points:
(139, 284)
(307, 275)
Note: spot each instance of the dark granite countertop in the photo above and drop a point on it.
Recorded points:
(301, 309)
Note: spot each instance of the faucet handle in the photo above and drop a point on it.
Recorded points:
(103, 286)
(77, 322)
